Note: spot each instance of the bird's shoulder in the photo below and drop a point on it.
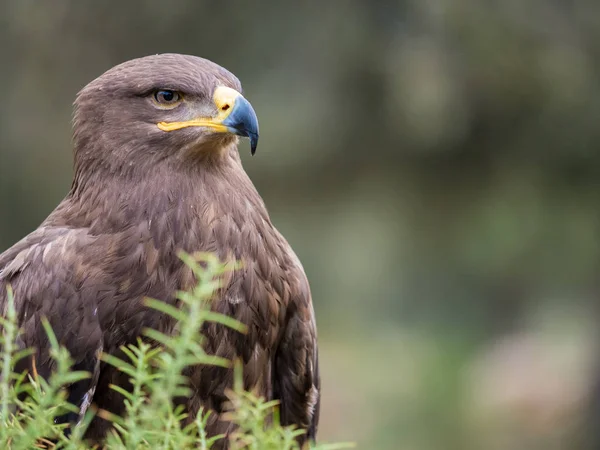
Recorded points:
(43, 260)
(62, 262)
(43, 247)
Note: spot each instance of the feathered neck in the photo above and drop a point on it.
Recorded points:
(108, 198)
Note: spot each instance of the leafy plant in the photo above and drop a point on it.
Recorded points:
(30, 404)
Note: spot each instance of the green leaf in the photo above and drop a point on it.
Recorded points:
(128, 395)
(161, 338)
(225, 320)
(163, 307)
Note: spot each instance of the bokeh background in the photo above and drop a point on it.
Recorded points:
(435, 163)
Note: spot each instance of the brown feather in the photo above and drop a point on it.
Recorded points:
(138, 197)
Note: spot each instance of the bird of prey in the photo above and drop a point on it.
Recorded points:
(157, 171)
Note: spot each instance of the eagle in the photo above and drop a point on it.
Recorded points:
(157, 171)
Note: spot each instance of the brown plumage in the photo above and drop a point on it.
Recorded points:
(140, 194)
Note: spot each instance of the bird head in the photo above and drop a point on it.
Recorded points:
(161, 106)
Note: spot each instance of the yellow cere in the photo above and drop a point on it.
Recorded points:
(224, 99)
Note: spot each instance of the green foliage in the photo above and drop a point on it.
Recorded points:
(154, 365)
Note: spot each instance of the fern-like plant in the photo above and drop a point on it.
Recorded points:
(30, 404)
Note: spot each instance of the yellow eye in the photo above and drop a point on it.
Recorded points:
(167, 98)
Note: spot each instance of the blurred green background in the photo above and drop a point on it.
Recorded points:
(434, 163)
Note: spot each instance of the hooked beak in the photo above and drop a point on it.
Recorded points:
(235, 115)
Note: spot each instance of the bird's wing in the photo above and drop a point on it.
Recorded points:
(296, 380)
(47, 271)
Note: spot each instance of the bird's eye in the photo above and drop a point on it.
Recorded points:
(167, 98)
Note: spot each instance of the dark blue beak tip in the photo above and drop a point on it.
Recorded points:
(253, 143)
(243, 122)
